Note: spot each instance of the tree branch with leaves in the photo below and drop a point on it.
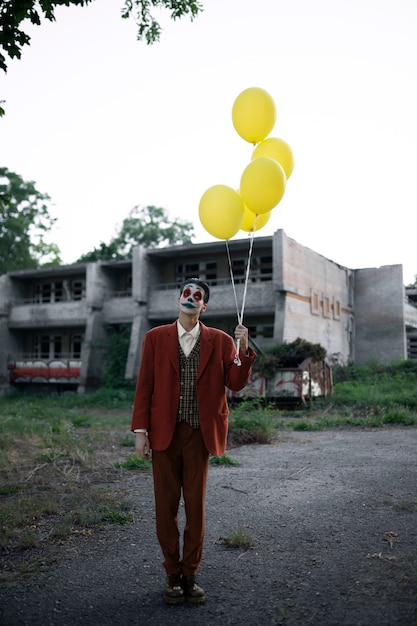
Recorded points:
(150, 227)
(14, 12)
(24, 220)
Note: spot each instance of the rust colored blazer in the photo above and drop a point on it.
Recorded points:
(158, 386)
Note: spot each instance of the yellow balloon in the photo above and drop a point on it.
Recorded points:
(221, 211)
(277, 149)
(253, 114)
(262, 185)
(252, 223)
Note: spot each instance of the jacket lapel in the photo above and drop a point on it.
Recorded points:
(172, 351)
(206, 348)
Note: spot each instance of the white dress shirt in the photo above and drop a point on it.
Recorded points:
(188, 339)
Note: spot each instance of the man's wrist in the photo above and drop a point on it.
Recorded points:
(141, 430)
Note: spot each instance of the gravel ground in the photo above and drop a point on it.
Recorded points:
(332, 516)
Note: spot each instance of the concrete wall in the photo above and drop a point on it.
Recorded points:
(119, 310)
(259, 299)
(48, 315)
(379, 314)
(317, 297)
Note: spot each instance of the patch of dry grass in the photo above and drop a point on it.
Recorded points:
(56, 478)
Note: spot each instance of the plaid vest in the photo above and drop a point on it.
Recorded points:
(187, 408)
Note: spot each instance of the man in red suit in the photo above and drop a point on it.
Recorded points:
(181, 414)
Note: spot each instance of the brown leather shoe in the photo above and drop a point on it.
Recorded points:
(193, 593)
(174, 592)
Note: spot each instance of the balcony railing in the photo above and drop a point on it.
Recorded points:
(127, 293)
(411, 302)
(36, 300)
(216, 282)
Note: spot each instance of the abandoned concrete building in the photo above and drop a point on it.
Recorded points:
(54, 320)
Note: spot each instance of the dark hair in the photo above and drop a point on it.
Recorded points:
(196, 281)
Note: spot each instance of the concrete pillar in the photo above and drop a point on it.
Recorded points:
(95, 336)
(8, 346)
(93, 351)
(140, 324)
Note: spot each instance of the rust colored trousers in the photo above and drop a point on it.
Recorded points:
(181, 468)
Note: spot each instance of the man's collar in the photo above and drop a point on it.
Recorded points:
(194, 331)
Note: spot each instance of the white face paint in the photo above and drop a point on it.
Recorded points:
(192, 299)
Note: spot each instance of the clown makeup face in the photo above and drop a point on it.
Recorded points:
(191, 300)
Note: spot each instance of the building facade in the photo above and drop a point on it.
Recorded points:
(54, 321)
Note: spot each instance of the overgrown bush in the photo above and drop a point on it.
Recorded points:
(118, 338)
(250, 422)
(287, 355)
(376, 385)
(401, 370)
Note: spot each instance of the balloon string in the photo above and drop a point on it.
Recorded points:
(233, 281)
(247, 275)
(237, 360)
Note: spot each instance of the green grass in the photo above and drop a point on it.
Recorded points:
(128, 441)
(56, 450)
(134, 461)
(225, 460)
(238, 539)
(251, 422)
(374, 385)
(53, 450)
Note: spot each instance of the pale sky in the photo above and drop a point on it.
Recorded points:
(102, 122)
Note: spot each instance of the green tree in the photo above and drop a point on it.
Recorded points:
(24, 220)
(148, 226)
(14, 12)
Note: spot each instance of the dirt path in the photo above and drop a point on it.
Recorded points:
(333, 519)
